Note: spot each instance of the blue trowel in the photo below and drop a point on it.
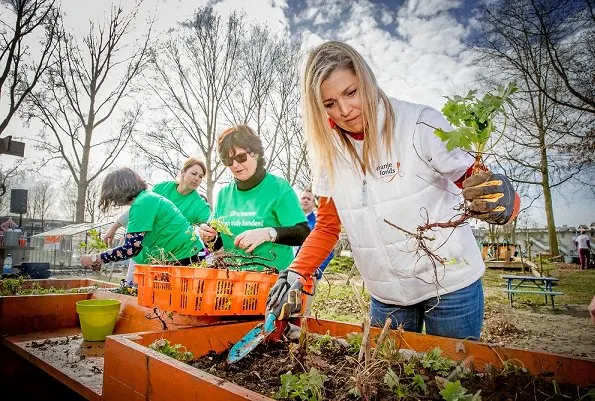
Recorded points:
(262, 330)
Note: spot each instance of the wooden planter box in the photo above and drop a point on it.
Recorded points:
(31, 313)
(26, 318)
(135, 372)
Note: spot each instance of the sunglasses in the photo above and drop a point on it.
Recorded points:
(240, 158)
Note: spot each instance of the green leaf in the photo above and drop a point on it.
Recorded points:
(434, 361)
(454, 391)
(419, 384)
(472, 118)
(391, 379)
(409, 369)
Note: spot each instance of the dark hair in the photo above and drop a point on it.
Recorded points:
(240, 136)
(119, 188)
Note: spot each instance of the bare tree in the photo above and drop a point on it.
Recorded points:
(20, 70)
(210, 74)
(510, 49)
(83, 92)
(287, 149)
(40, 200)
(567, 30)
(192, 75)
(92, 201)
(8, 175)
(68, 199)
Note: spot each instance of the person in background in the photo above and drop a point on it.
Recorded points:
(583, 244)
(261, 210)
(308, 204)
(157, 231)
(374, 159)
(183, 193)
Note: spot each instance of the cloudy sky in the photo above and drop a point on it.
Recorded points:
(415, 47)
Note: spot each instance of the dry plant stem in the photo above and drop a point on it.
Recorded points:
(157, 315)
(382, 337)
(222, 261)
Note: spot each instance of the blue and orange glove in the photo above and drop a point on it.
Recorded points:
(285, 297)
(491, 197)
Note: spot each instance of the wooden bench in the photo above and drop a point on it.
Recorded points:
(551, 294)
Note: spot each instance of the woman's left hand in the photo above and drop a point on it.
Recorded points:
(87, 261)
(249, 240)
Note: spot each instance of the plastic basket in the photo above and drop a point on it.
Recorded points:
(203, 291)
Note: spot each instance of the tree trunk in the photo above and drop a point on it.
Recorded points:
(549, 210)
(210, 186)
(83, 184)
(81, 198)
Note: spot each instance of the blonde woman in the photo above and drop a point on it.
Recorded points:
(377, 158)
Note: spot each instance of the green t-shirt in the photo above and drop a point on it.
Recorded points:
(272, 203)
(192, 205)
(165, 228)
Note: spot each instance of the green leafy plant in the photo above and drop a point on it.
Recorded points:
(94, 243)
(304, 387)
(177, 351)
(393, 381)
(454, 391)
(320, 342)
(221, 227)
(473, 118)
(19, 286)
(419, 384)
(435, 362)
(355, 342)
(408, 385)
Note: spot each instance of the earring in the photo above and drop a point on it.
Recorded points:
(332, 123)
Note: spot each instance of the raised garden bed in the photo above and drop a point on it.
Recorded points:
(41, 342)
(154, 373)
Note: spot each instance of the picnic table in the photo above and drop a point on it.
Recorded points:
(531, 285)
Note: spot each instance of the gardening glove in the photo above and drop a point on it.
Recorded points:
(491, 197)
(285, 297)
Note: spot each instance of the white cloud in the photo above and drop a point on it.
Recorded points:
(319, 12)
(429, 8)
(386, 17)
(420, 62)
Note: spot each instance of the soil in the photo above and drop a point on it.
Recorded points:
(261, 369)
(567, 330)
(73, 356)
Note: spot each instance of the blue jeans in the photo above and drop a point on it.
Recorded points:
(458, 314)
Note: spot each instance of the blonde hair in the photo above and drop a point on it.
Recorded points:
(320, 64)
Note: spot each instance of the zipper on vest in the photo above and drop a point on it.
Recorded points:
(364, 192)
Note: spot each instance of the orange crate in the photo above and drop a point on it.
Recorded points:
(202, 291)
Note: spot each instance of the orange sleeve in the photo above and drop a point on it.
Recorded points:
(321, 241)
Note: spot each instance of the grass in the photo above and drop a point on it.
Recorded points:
(335, 300)
(578, 287)
(338, 302)
(340, 264)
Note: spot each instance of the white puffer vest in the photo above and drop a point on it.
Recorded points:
(411, 185)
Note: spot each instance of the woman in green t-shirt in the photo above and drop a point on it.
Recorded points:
(157, 230)
(182, 193)
(261, 210)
